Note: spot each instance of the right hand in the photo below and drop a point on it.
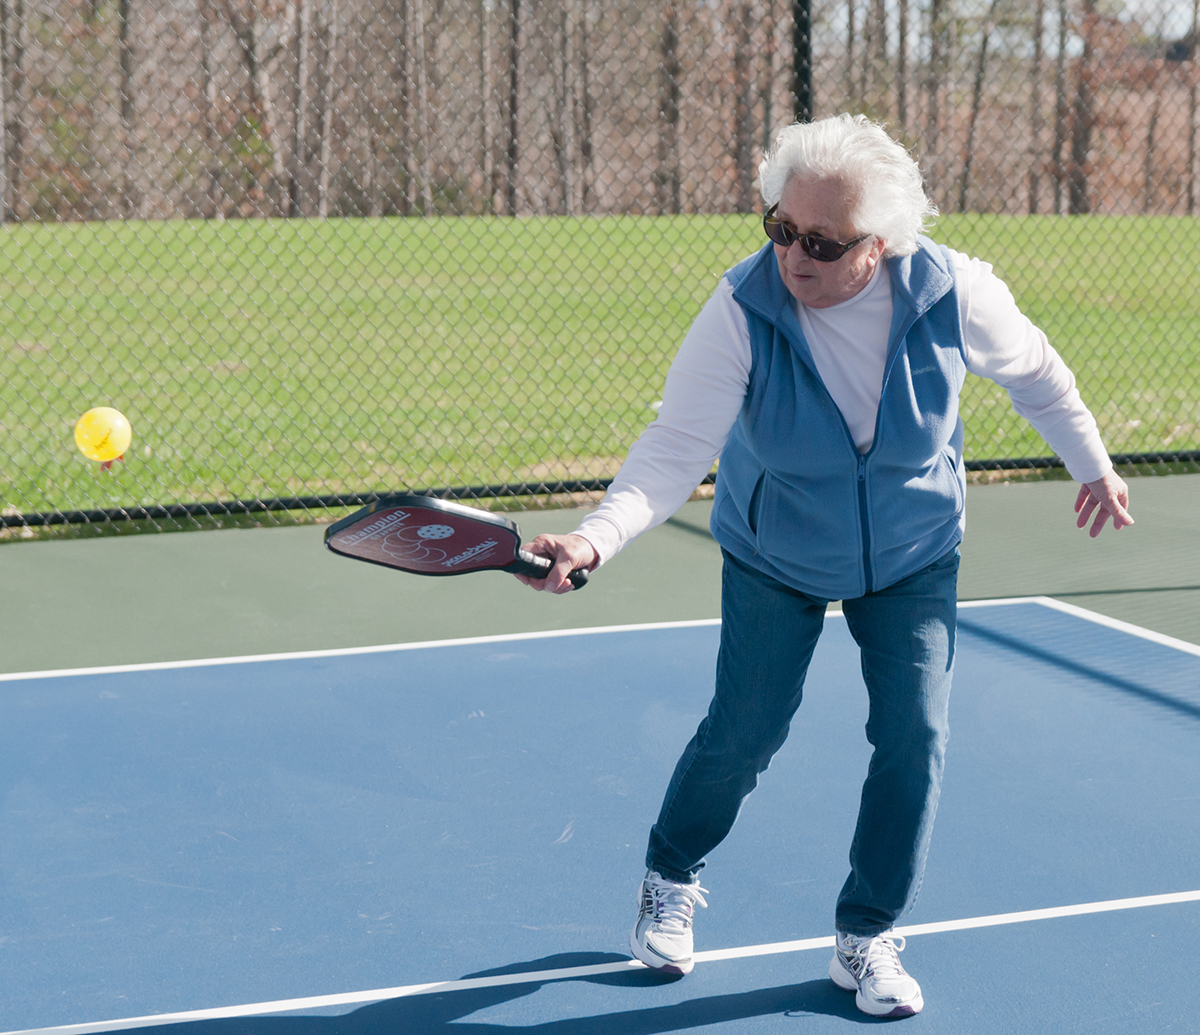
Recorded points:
(568, 552)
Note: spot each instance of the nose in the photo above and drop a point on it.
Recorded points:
(796, 255)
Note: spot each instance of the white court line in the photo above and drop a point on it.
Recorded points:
(340, 652)
(1116, 623)
(566, 973)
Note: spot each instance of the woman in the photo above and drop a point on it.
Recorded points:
(825, 372)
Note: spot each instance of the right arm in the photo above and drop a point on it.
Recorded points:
(703, 395)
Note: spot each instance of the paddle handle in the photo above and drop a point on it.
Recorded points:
(537, 567)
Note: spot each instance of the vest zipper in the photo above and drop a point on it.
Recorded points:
(868, 576)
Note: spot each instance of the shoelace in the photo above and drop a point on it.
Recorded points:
(673, 904)
(880, 955)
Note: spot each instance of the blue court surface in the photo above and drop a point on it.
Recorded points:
(448, 838)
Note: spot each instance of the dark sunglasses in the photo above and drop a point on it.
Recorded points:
(815, 247)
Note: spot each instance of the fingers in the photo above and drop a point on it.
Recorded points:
(1105, 498)
(568, 553)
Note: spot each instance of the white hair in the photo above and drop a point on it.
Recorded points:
(887, 198)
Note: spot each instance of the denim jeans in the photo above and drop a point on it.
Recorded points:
(905, 634)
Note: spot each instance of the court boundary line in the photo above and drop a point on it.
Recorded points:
(338, 652)
(377, 995)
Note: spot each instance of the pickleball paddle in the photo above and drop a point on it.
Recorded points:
(427, 536)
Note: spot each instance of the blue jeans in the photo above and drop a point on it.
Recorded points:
(906, 637)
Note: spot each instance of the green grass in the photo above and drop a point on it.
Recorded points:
(287, 357)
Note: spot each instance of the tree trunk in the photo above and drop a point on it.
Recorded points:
(1192, 83)
(1060, 108)
(851, 39)
(331, 40)
(878, 86)
(933, 83)
(743, 129)
(250, 32)
(4, 200)
(511, 153)
(212, 115)
(1035, 106)
(297, 194)
(1078, 201)
(486, 166)
(584, 116)
(1149, 192)
(964, 185)
(421, 81)
(562, 131)
(669, 71)
(129, 201)
(902, 68)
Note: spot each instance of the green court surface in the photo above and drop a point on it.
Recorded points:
(136, 599)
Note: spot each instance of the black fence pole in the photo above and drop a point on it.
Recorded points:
(802, 59)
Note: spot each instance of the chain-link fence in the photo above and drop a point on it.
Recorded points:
(281, 238)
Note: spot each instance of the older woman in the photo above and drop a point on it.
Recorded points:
(825, 372)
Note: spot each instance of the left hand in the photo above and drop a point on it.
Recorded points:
(1107, 497)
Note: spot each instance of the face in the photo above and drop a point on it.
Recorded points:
(821, 207)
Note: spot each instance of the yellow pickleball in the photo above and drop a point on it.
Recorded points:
(103, 434)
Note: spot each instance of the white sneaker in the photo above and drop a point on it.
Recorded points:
(662, 936)
(871, 967)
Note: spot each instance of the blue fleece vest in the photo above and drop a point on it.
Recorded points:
(794, 497)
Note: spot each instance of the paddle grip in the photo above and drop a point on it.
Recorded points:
(538, 567)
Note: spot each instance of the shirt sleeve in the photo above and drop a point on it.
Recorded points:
(705, 387)
(1003, 345)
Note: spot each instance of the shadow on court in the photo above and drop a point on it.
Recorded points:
(435, 1014)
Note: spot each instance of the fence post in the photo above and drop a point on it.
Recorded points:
(802, 59)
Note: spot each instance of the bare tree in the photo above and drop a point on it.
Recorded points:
(486, 165)
(129, 201)
(851, 39)
(212, 115)
(584, 116)
(1149, 196)
(1078, 201)
(297, 196)
(989, 25)
(1193, 45)
(1060, 108)
(876, 71)
(902, 66)
(940, 18)
(562, 129)
(12, 85)
(4, 200)
(327, 97)
(669, 75)
(262, 35)
(421, 103)
(743, 113)
(511, 152)
(1035, 105)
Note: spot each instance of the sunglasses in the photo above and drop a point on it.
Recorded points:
(822, 249)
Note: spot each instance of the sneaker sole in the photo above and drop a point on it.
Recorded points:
(841, 977)
(659, 963)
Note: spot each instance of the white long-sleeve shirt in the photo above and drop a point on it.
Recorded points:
(708, 379)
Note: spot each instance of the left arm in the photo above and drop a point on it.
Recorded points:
(1003, 344)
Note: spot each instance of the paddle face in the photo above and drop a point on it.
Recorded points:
(429, 536)
(426, 536)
